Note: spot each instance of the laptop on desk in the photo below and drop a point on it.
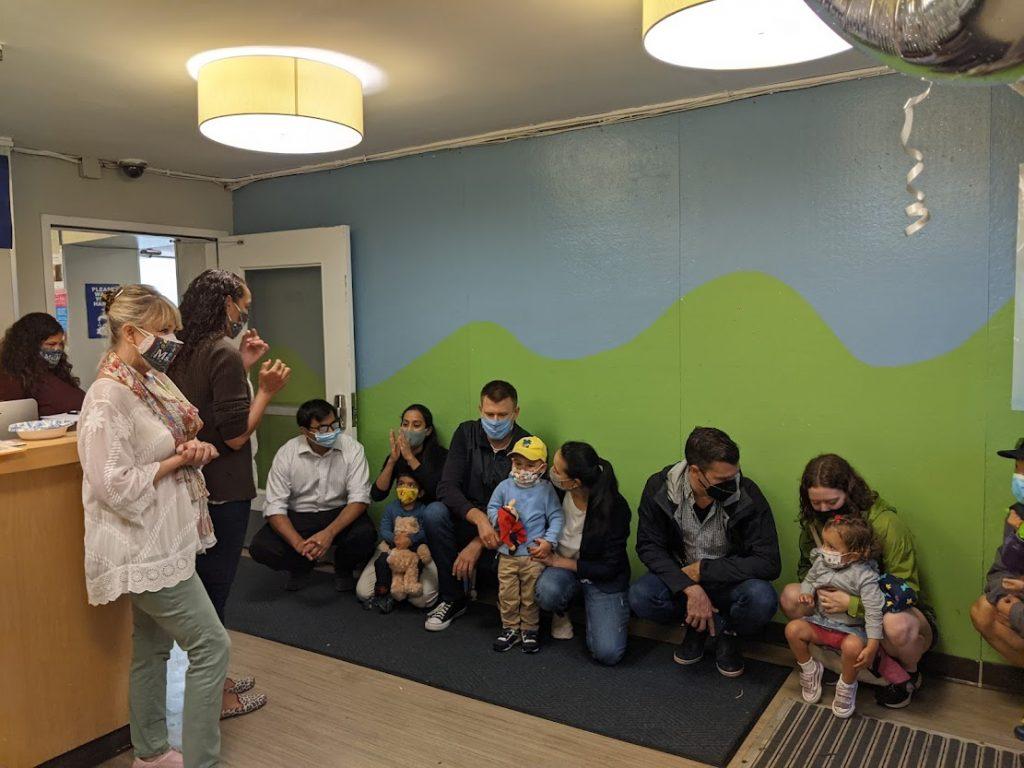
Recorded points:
(14, 411)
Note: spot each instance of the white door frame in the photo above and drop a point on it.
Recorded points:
(48, 221)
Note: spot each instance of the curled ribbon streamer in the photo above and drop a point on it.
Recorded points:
(916, 208)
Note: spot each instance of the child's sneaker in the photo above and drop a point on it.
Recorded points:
(1018, 731)
(529, 641)
(507, 640)
(845, 701)
(385, 603)
(810, 681)
(561, 626)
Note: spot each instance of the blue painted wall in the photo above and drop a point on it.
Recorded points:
(600, 230)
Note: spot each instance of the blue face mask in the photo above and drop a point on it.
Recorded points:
(51, 356)
(1017, 487)
(328, 439)
(497, 429)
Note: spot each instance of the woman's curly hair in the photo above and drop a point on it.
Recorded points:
(832, 471)
(19, 351)
(203, 313)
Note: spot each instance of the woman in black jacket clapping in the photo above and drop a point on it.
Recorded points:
(591, 554)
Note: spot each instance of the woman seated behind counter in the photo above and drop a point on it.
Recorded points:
(33, 365)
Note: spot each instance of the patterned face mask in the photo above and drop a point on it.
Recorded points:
(159, 351)
(525, 478)
(51, 356)
(407, 495)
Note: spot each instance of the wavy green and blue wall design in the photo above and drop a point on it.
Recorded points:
(742, 266)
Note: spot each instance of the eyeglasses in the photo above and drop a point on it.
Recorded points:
(324, 429)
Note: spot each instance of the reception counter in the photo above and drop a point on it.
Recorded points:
(63, 663)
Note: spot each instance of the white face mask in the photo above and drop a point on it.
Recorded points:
(525, 478)
(832, 558)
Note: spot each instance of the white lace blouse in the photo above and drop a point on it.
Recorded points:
(138, 537)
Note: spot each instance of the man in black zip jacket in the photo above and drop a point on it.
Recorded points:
(459, 535)
(708, 539)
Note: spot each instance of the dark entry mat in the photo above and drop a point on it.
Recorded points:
(693, 712)
(812, 737)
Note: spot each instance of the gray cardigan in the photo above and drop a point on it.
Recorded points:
(994, 590)
(859, 579)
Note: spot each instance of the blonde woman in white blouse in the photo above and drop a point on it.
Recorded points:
(145, 520)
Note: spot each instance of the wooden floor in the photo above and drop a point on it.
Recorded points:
(326, 713)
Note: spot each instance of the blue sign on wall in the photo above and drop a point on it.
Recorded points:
(6, 228)
(94, 306)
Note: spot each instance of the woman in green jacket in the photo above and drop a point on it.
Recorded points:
(831, 486)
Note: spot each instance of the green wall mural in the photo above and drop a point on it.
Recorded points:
(748, 354)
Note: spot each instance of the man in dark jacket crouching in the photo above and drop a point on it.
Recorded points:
(707, 537)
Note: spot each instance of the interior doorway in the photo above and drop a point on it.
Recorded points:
(88, 262)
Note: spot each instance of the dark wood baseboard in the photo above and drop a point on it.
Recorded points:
(95, 752)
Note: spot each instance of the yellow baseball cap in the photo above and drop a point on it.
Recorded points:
(530, 448)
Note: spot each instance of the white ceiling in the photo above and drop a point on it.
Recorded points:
(107, 78)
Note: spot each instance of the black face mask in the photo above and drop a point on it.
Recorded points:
(722, 492)
(840, 512)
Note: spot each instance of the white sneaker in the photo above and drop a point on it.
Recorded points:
(845, 701)
(810, 681)
(561, 627)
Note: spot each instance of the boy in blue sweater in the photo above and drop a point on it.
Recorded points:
(528, 517)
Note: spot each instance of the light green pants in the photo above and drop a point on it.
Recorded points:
(183, 614)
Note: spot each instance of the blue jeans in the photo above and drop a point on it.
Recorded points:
(607, 612)
(744, 607)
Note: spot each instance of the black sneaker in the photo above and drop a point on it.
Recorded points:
(385, 603)
(728, 656)
(507, 640)
(529, 641)
(691, 650)
(298, 580)
(343, 582)
(372, 604)
(443, 614)
(897, 696)
(1018, 731)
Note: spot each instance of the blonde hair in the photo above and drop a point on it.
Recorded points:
(138, 305)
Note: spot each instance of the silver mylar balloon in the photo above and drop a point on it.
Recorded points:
(970, 41)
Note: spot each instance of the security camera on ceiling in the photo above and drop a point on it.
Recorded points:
(132, 167)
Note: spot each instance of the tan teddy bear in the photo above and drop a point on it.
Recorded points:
(404, 562)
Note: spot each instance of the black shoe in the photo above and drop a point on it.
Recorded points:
(343, 582)
(386, 603)
(507, 640)
(372, 604)
(728, 656)
(691, 650)
(298, 580)
(897, 696)
(529, 641)
(1019, 731)
(444, 613)
(829, 677)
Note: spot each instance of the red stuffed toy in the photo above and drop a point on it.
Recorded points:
(510, 528)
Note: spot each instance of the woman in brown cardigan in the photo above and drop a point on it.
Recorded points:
(212, 372)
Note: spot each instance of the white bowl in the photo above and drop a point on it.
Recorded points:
(44, 429)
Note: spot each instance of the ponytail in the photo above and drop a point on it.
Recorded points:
(597, 476)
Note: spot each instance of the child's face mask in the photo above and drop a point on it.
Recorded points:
(526, 478)
(833, 559)
(407, 495)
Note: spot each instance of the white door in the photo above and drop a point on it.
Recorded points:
(302, 306)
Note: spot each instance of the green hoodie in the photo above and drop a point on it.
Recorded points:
(898, 557)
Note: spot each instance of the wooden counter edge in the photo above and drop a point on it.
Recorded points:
(40, 454)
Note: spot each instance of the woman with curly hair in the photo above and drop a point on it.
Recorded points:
(831, 487)
(212, 371)
(33, 365)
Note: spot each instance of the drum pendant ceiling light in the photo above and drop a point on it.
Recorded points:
(279, 103)
(736, 34)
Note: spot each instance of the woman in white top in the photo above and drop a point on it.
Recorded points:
(145, 520)
(591, 556)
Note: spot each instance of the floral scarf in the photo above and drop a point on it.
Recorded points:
(181, 419)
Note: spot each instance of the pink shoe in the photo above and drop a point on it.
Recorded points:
(169, 759)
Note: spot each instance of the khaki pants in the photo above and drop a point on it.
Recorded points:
(517, 586)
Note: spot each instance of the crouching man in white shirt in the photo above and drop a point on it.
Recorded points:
(318, 492)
